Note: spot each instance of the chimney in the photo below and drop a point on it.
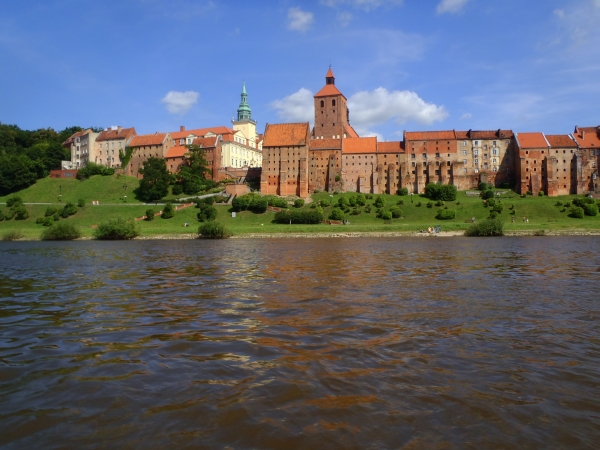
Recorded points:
(582, 134)
(119, 128)
(182, 128)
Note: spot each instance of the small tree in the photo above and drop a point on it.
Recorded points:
(298, 203)
(64, 231)
(445, 214)
(156, 178)
(116, 230)
(168, 211)
(81, 203)
(207, 213)
(379, 201)
(403, 191)
(150, 215)
(336, 214)
(213, 230)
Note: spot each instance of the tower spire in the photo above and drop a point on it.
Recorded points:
(244, 112)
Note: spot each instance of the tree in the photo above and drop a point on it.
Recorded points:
(444, 192)
(192, 174)
(18, 172)
(155, 182)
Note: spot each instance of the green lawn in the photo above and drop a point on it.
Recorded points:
(542, 212)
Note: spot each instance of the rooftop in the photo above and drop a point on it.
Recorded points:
(560, 140)
(148, 139)
(587, 137)
(532, 140)
(284, 134)
(360, 145)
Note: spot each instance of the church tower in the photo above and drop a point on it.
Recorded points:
(331, 112)
(244, 122)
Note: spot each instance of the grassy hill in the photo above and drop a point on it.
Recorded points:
(542, 212)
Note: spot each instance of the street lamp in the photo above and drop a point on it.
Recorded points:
(411, 195)
(60, 195)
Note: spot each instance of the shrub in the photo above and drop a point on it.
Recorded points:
(440, 203)
(338, 177)
(12, 235)
(403, 191)
(168, 211)
(445, 214)
(40, 220)
(298, 203)
(483, 186)
(8, 215)
(567, 204)
(94, 169)
(396, 212)
(63, 231)
(352, 200)
(418, 204)
(48, 221)
(208, 200)
(400, 202)
(498, 208)
(69, 209)
(177, 189)
(457, 203)
(277, 202)
(256, 203)
(343, 202)
(445, 192)
(379, 201)
(299, 217)
(336, 214)
(580, 201)
(386, 215)
(116, 230)
(590, 209)
(22, 214)
(316, 191)
(64, 213)
(488, 227)
(528, 193)
(487, 194)
(1, 216)
(150, 215)
(56, 217)
(361, 200)
(324, 203)
(213, 230)
(14, 201)
(576, 212)
(493, 214)
(558, 203)
(313, 205)
(491, 202)
(207, 213)
(541, 194)
(50, 211)
(368, 209)
(369, 196)
(81, 203)
(430, 204)
(356, 211)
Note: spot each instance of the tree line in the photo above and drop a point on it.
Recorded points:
(28, 155)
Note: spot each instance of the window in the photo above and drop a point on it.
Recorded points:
(413, 156)
(464, 143)
(476, 161)
(476, 143)
(322, 104)
(475, 152)
(485, 156)
(476, 170)
(464, 152)
(437, 155)
(333, 102)
(485, 166)
(464, 161)
(495, 169)
(495, 151)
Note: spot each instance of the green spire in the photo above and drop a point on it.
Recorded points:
(244, 112)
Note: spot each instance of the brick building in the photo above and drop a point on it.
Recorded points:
(145, 146)
(109, 145)
(588, 158)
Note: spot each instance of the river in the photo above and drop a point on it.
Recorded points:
(363, 343)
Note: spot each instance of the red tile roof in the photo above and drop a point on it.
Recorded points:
(322, 144)
(429, 135)
(587, 137)
(350, 131)
(109, 135)
(177, 151)
(209, 142)
(286, 134)
(201, 132)
(532, 140)
(329, 74)
(360, 145)
(462, 135)
(560, 140)
(390, 147)
(148, 139)
(69, 140)
(328, 90)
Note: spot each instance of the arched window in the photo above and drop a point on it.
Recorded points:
(333, 102)
(322, 103)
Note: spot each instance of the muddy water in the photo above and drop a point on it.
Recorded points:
(301, 343)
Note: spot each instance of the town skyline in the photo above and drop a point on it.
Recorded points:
(451, 64)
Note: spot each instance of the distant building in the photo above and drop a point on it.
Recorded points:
(588, 140)
(110, 144)
(81, 146)
(146, 146)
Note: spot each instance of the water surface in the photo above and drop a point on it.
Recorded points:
(301, 343)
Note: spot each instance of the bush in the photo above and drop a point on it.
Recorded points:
(64, 213)
(445, 214)
(116, 230)
(498, 208)
(299, 217)
(352, 200)
(493, 214)
(430, 204)
(576, 212)
(440, 203)
(48, 221)
(177, 189)
(63, 231)
(325, 203)
(400, 202)
(213, 230)
(396, 212)
(256, 203)
(369, 196)
(403, 191)
(343, 202)
(567, 204)
(168, 211)
(277, 202)
(150, 215)
(207, 213)
(488, 227)
(490, 202)
(386, 215)
(50, 211)
(56, 217)
(208, 200)
(590, 209)
(483, 186)
(94, 169)
(356, 211)
(558, 203)
(541, 194)
(14, 201)
(361, 200)
(298, 203)
(528, 193)
(70, 209)
(1, 216)
(379, 201)
(81, 203)
(445, 192)
(336, 214)
(368, 209)
(40, 220)
(487, 194)
(418, 204)
(22, 214)
(8, 215)
(12, 235)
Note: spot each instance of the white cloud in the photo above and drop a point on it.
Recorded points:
(451, 6)
(466, 116)
(368, 109)
(299, 20)
(362, 4)
(344, 18)
(297, 107)
(180, 102)
(560, 13)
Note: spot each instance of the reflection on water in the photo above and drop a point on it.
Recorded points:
(316, 343)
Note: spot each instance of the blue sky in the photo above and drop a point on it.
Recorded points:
(410, 65)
